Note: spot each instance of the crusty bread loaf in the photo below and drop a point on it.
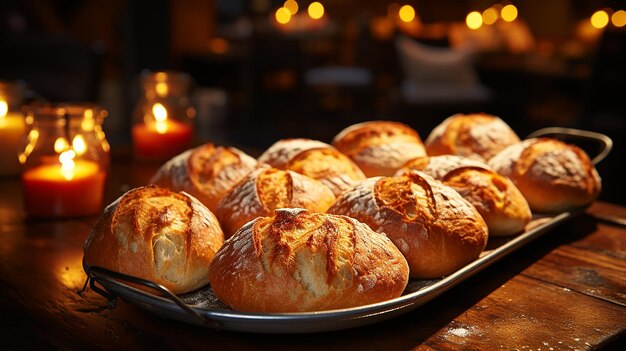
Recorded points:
(553, 176)
(300, 261)
(497, 199)
(379, 148)
(314, 159)
(433, 226)
(284, 150)
(267, 189)
(153, 233)
(207, 172)
(476, 136)
(438, 166)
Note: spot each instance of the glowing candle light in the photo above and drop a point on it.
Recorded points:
(11, 132)
(160, 137)
(65, 189)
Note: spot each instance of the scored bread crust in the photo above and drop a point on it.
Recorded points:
(433, 226)
(553, 176)
(267, 189)
(438, 166)
(207, 172)
(379, 148)
(301, 261)
(327, 165)
(477, 136)
(152, 233)
(497, 199)
(284, 150)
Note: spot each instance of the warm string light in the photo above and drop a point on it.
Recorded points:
(491, 15)
(406, 13)
(283, 15)
(316, 10)
(601, 18)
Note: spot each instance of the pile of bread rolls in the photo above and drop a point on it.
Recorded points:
(312, 226)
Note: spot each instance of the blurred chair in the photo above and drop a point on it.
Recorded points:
(56, 67)
(437, 82)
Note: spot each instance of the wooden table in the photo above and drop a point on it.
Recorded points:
(564, 291)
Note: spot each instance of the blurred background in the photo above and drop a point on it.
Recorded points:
(263, 70)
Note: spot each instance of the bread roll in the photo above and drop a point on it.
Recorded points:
(206, 172)
(300, 261)
(267, 189)
(153, 233)
(284, 150)
(314, 159)
(553, 176)
(476, 136)
(436, 230)
(438, 166)
(379, 148)
(497, 199)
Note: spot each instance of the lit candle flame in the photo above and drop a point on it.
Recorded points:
(4, 108)
(160, 114)
(67, 164)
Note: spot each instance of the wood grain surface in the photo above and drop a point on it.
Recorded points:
(564, 291)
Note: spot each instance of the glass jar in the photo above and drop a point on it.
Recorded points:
(163, 118)
(11, 126)
(65, 160)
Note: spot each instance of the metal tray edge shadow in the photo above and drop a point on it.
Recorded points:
(323, 320)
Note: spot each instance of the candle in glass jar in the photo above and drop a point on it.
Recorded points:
(162, 138)
(11, 133)
(72, 188)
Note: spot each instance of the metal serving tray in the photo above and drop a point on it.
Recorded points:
(203, 308)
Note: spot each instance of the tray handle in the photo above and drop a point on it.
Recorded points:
(98, 274)
(606, 144)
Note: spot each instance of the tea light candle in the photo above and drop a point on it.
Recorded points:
(72, 188)
(12, 130)
(162, 138)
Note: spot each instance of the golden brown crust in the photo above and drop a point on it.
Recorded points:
(284, 150)
(300, 261)
(553, 176)
(496, 198)
(438, 166)
(477, 136)
(314, 159)
(433, 226)
(379, 147)
(267, 189)
(152, 233)
(329, 166)
(207, 172)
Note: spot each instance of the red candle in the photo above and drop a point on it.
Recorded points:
(161, 140)
(52, 190)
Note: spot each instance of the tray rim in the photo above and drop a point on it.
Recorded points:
(319, 321)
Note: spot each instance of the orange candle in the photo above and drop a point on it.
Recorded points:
(53, 190)
(151, 143)
(160, 138)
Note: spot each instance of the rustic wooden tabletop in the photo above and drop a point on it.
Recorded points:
(564, 291)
